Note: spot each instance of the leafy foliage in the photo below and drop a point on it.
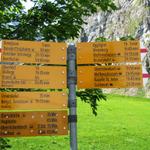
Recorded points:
(58, 20)
(10, 12)
(4, 144)
(91, 96)
(125, 38)
(101, 39)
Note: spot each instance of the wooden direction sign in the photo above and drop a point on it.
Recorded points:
(110, 76)
(33, 52)
(20, 76)
(33, 100)
(15, 124)
(108, 52)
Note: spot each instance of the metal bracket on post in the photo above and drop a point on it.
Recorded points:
(71, 82)
(72, 118)
(72, 104)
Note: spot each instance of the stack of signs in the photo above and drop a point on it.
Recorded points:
(109, 65)
(23, 66)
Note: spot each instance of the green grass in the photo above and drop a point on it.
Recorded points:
(123, 123)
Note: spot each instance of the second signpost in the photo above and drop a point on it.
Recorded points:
(28, 71)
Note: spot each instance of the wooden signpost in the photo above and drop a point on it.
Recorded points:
(108, 52)
(124, 76)
(15, 124)
(109, 65)
(100, 65)
(21, 76)
(53, 120)
(33, 100)
(33, 52)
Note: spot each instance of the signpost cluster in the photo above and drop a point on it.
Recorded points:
(109, 65)
(28, 65)
(23, 66)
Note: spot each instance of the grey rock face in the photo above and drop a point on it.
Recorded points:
(132, 18)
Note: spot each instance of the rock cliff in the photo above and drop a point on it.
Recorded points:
(132, 18)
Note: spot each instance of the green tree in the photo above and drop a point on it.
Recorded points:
(4, 144)
(10, 13)
(46, 20)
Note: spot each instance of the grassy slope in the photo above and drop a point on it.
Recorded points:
(123, 123)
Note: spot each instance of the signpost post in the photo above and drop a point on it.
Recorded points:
(72, 96)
